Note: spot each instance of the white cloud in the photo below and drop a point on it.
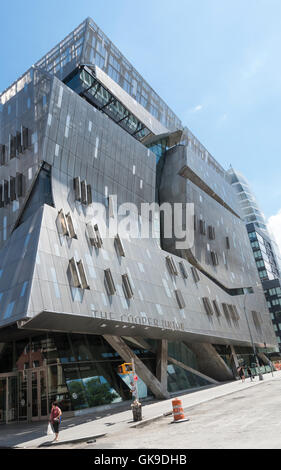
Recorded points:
(274, 227)
(195, 109)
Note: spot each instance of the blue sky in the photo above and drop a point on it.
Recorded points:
(216, 63)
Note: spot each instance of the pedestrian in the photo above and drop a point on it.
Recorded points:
(250, 374)
(241, 373)
(55, 419)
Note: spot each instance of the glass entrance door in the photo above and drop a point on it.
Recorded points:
(3, 399)
(37, 400)
(8, 398)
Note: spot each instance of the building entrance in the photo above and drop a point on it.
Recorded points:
(8, 398)
(23, 396)
(33, 391)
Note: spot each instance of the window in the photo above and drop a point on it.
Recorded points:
(195, 222)
(127, 286)
(2, 154)
(214, 258)
(84, 198)
(77, 188)
(202, 227)
(63, 224)
(195, 274)
(216, 308)
(110, 286)
(74, 273)
(89, 194)
(256, 319)
(94, 235)
(180, 299)
(119, 246)
(70, 225)
(172, 266)
(211, 232)
(226, 312)
(98, 236)
(84, 282)
(183, 270)
(233, 312)
(227, 243)
(207, 305)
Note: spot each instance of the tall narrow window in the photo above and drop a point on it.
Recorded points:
(207, 305)
(70, 226)
(1, 195)
(2, 154)
(211, 232)
(98, 236)
(183, 270)
(63, 223)
(216, 308)
(13, 195)
(227, 242)
(127, 286)
(119, 245)
(74, 273)
(171, 265)
(24, 138)
(234, 313)
(110, 286)
(6, 192)
(82, 274)
(84, 199)
(18, 143)
(180, 299)
(12, 146)
(77, 188)
(226, 312)
(214, 258)
(195, 223)
(202, 227)
(91, 234)
(195, 274)
(19, 185)
(89, 194)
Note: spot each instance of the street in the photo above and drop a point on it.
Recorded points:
(247, 419)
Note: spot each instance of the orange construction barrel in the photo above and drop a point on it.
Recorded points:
(178, 411)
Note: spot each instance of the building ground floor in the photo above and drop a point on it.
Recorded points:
(82, 371)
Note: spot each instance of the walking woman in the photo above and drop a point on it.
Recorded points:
(55, 419)
(241, 373)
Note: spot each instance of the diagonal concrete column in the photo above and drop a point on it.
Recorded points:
(209, 361)
(193, 371)
(142, 371)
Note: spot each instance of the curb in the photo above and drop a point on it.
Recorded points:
(67, 441)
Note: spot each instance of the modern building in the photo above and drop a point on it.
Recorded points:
(265, 250)
(87, 150)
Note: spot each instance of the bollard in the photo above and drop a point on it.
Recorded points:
(136, 409)
(178, 413)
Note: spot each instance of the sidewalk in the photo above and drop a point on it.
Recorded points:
(90, 427)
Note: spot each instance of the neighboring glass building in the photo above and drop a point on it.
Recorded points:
(93, 273)
(265, 250)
